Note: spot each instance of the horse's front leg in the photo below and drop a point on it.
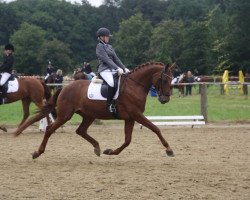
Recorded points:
(145, 122)
(82, 131)
(129, 125)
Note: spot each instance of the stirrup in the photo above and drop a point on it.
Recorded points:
(112, 108)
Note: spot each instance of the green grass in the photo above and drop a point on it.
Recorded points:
(233, 107)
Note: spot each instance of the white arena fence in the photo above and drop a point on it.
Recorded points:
(195, 120)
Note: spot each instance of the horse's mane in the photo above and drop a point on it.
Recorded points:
(145, 65)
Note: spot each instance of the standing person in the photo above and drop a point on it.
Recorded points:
(50, 70)
(109, 64)
(59, 78)
(190, 79)
(6, 69)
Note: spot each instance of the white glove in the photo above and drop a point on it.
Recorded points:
(120, 71)
(126, 70)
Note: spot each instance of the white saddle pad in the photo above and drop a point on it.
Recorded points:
(13, 86)
(94, 91)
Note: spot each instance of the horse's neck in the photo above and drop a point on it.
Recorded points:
(145, 75)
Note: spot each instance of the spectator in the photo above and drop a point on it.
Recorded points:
(59, 78)
(190, 80)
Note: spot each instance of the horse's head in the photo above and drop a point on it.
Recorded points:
(163, 83)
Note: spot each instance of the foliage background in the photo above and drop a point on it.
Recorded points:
(205, 36)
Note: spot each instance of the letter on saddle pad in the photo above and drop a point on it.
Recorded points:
(98, 90)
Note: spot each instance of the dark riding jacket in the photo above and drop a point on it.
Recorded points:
(58, 79)
(107, 57)
(7, 65)
(50, 70)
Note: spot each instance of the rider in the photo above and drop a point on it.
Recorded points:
(50, 70)
(6, 69)
(109, 64)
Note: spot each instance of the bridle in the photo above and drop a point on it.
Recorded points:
(160, 82)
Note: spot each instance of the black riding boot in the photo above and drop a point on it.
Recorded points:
(2, 94)
(110, 101)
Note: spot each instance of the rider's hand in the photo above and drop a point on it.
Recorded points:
(126, 70)
(120, 71)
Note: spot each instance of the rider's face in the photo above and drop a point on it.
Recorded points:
(105, 39)
(7, 52)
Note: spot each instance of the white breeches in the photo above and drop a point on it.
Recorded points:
(4, 78)
(47, 76)
(107, 75)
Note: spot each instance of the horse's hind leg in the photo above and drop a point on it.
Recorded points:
(129, 125)
(26, 110)
(82, 131)
(50, 130)
(3, 128)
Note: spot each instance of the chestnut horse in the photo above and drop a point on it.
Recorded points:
(30, 90)
(79, 75)
(51, 80)
(131, 102)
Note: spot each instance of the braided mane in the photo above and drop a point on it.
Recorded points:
(145, 65)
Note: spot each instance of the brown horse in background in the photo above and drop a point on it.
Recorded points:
(51, 80)
(131, 103)
(30, 90)
(78, 75)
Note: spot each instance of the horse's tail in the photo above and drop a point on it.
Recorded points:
(47, 93)
(41, 113)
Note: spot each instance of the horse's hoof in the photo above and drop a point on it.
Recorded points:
(35, 155)
(97, 151)
(3, 128)
(170, 153)
(108, 151)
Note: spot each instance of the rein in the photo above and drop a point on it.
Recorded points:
(159, 82)
(126, 76)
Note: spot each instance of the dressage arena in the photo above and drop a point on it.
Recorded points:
(211, 162)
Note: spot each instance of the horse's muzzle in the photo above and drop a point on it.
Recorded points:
(164, 99)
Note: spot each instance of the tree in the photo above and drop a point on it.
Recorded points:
(196, 48)
(166, 41)
(58, 53)
(152, 10)
(28, 41)
(237, 41)
(188, 11)
(132, 40)
(8, 22)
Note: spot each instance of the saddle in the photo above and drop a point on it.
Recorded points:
(98, 88)
(11, 85)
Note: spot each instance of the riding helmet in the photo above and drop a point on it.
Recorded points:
(9, 47)
(103, 32)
